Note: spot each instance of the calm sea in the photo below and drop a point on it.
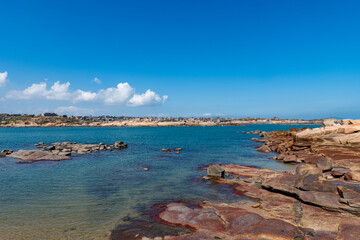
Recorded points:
(91, 195)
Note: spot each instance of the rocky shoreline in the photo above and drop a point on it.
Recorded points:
(320, 200)
(336, 144)
(59, 151)
(299, 205)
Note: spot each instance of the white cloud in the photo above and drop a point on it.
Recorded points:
(81, 95)
(96, 80)
(147, 98)
(207, 114)
(122, 94)
(165, 97)
(39, 90)
(119, 95)
(59, 91)
(74, 110)
(3, 78)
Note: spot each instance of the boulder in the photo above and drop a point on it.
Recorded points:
(216, 171)
(281, 156)
(327, 200)
(64, 153)
(7, 151)
(348, 193)
(300, 159)
(283, 183)
(337, 174)
(324, 164)
(328, 123)
(354, 176)
(346, 122)
(264, 148)
(313, 183)
(290, 159)
(303, 170)
(119, 145)
(55, 152)
(50, 148)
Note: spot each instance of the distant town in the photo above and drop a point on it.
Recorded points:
(54, 120)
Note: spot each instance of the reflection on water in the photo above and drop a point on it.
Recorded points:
(90, 195)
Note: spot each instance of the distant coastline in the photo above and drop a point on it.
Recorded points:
(54, 120)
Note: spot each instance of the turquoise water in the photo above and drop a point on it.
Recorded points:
(89, 196)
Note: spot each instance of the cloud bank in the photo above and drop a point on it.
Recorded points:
(3, 77)
(122, 94)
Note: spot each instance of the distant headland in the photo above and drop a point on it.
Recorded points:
(55, 120)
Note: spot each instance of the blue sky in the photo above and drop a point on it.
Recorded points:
(219, 58)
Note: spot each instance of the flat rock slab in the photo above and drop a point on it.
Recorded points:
(37, 155)
(60, 151)
(227, 222)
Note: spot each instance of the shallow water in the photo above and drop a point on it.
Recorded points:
(90, 195)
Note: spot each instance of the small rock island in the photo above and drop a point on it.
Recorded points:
(60, 151)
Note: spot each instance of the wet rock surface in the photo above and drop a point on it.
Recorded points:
(283, 209)
(60, 151)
